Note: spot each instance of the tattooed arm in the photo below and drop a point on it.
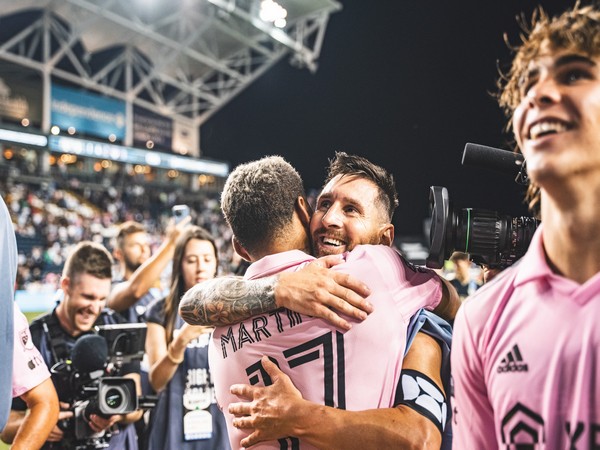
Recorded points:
(312, 290)
(227, 300)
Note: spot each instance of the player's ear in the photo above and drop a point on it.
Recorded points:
(386, 235)
(303, 210)
(239, 249)
(65, 285)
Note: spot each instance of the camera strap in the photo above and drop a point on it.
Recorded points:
(55, 336)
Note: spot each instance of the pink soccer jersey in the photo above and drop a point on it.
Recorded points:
(29, 368)
(526, 361)
(355, 370)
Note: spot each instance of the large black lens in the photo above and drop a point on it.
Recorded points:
(490, 238)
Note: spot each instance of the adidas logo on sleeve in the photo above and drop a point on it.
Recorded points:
(513, 362)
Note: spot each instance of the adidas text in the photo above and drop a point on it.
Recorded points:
(513, 368)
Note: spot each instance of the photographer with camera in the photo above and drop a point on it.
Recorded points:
(525, 352)
(85, 285)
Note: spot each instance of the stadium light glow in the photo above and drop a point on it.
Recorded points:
(271, 11)
(100, 150)
(23, 138)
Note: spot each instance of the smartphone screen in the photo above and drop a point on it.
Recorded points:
(180, 212)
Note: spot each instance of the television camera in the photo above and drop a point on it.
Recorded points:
(92, 377)
(489, 237)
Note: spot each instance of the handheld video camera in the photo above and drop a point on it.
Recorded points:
(489, 237)
(96, 388)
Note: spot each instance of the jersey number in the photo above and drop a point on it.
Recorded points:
(321, 347)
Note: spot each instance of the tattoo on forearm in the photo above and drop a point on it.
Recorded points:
(227, 300)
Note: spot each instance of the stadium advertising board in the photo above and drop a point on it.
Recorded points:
(151, 127)
(87, 113)
(20, 94)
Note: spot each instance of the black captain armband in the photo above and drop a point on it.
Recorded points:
(417, 391)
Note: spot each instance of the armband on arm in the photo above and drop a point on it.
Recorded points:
(420, 393)
(227, 300)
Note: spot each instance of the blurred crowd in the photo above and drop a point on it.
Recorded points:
(50, 220)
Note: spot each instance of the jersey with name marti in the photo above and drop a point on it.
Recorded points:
(526, 361)
(356, 369)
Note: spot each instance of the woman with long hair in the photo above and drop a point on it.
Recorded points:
(186, 416)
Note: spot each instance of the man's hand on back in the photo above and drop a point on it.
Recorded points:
(269, 412)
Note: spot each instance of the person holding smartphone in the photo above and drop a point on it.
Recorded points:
(131, 294)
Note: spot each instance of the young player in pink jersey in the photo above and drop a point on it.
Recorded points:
(31, 382)
(363, 364)
(525, 353)
(27, 374)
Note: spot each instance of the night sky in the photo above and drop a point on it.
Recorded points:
(404, 83)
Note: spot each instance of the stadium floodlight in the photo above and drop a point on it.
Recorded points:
(271, 11)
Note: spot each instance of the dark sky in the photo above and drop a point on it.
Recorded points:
(405, 83)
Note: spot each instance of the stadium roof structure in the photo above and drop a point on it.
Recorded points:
(183, 59)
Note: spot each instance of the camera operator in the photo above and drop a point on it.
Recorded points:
(525, 353)
(85, 284)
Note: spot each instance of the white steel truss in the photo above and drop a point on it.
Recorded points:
(183, 59)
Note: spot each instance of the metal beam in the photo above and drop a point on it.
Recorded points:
(150, 34)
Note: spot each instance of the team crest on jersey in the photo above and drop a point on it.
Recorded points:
(26, 339)
(522, 428)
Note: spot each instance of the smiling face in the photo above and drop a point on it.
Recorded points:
(84, 298)
(557, 122)
(199, 262)
(348, 213)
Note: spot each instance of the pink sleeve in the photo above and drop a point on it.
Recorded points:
(420, 287)
(472, 414)
(29, 369)
(411, 287)
(426, 283)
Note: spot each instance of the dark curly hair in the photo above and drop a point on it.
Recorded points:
(577, 30)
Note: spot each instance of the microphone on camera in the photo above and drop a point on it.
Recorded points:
(89, 353)
(496, 159)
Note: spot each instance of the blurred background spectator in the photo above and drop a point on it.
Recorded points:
(49, 220)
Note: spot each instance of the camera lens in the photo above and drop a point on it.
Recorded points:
(114, 397)
(496, 240)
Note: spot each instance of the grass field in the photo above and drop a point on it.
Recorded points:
(32, 315)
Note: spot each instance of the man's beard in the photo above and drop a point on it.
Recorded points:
(319, 251)
(132, 266)
(372, 239)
